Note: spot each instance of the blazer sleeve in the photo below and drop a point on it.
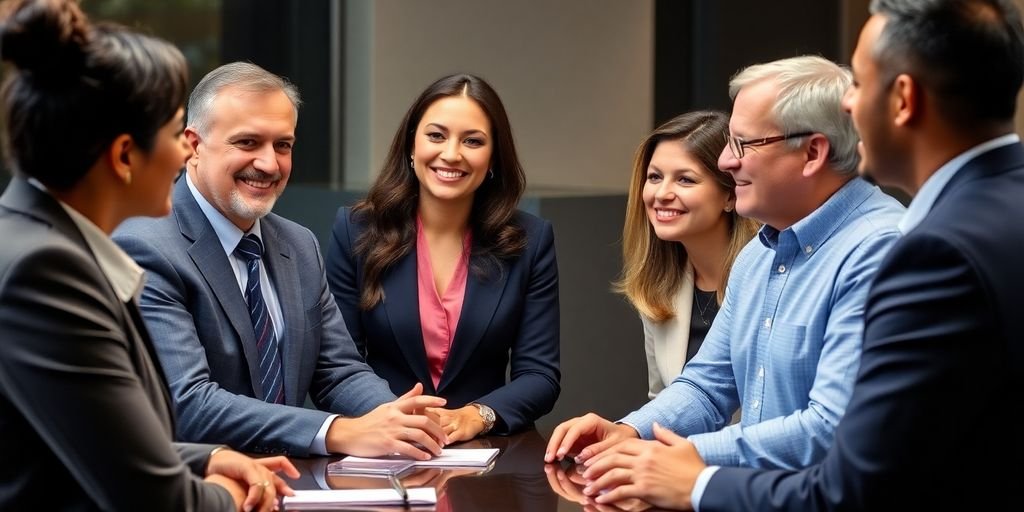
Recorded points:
(342, 276)
(928, 327)
(196, 455)
(206, 411)
(534, 375)
(67, 368)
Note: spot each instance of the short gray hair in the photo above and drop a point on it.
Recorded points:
(811, 91)
(244, 75)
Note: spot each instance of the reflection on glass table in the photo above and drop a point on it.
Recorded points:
(566, 480)
(518, 481)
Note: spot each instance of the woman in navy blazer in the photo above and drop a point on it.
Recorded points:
(440, 278)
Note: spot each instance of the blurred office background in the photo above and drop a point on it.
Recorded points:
(583, 82)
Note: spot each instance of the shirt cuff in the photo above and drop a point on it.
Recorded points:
(718, 448)
(319, 445)
(698, 486)
(639, 434)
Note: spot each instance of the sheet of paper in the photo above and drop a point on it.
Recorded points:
(418, 496)
(450, 457)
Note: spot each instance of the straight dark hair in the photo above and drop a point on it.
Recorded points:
(969, 53)
(389, 210)
(74, 87)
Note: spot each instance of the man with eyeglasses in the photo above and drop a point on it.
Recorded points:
(937, 85)
(784, 349)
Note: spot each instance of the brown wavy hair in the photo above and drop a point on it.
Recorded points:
(389, 209)
(653, 269)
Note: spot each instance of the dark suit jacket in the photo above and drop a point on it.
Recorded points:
(941, 369)
(514, 311)
(204, 337)
(85, 419)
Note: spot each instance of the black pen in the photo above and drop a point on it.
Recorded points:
(396, 484)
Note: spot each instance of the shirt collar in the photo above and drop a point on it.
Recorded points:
(812, 231)
(933, 186)
(227, 232)
(121, 271)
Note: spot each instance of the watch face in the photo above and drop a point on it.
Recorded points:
(487, 414)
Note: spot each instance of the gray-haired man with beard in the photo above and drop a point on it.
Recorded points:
(237, 302)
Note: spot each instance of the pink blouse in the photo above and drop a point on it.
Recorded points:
(439, 316)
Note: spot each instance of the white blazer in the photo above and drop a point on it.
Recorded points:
(666, 342)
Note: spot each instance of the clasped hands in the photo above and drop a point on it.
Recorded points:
(414, 425)
(252, 483)
(618, 468)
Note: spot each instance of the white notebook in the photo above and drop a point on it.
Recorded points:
(320, 499)
(450, 457)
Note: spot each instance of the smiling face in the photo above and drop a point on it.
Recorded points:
(152, 183)
(683, 200)
(452, 150)
(768, 178)
(243, 164)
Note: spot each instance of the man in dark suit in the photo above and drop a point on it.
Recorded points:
(237, 302)
(934, 95)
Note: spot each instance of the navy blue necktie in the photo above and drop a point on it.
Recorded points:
(250, 249)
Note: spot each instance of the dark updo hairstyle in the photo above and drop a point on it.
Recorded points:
(73, 87)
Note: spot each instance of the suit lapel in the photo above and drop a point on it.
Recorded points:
(285, 276)
(207, 253)
(483, 293)
(401, 303)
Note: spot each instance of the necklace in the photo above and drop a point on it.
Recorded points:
(703, 308)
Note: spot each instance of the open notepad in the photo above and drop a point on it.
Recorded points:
(333, 498)
(397, 464)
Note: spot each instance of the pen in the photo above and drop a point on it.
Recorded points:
(396, 484)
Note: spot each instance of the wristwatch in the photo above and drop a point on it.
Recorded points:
(486, 414)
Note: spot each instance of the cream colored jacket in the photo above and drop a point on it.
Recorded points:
(666, 342)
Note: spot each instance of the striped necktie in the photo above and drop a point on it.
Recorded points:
(250, 250)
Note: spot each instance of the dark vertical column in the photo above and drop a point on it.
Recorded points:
(673, 58)
(291, 39)
(700, 44)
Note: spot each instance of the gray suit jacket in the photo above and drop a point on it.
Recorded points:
(85, 417)
(204, 336)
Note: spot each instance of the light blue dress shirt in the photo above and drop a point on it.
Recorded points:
(785, 347)
(919, 208)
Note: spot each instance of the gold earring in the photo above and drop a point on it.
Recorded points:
(128, 178)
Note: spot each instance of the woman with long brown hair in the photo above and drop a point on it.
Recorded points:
(680, 238)
(441, 280)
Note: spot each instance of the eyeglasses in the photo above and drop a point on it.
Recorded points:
(737, 144)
